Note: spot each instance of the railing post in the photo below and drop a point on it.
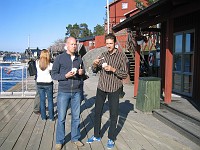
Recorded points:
(1, 79)
(22, 81)
(26, 79)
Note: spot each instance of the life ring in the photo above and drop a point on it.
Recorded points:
(151, 59)
(8, 71)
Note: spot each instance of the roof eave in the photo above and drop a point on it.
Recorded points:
(126, 23)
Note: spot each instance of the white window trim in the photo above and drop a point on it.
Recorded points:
(124, 5)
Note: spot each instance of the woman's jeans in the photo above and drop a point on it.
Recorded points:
(113, 99)
(63, 101)
(44, 90)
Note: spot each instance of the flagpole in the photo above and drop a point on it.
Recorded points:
(29, 41)
(108, 18)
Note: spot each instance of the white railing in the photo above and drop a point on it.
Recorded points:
(14, 74)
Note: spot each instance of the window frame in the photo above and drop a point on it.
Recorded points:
(182, 72)
(124, 5)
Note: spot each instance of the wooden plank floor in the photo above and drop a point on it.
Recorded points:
(21, 129)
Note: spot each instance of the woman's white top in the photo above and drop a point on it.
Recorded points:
(44, 76)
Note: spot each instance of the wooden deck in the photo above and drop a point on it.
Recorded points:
(21, 129)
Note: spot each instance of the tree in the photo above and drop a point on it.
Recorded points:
(78, 31)
(98, 30)
(58, 45)
(84, 31)
(140, 5)
(151, 2)
(73, 30)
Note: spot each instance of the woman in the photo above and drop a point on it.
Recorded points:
(45, 84)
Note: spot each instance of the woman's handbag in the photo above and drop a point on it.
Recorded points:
(85, 77)
(32, 68)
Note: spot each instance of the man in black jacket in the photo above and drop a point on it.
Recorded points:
(33, 72)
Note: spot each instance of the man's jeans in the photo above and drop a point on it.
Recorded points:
(43, 90)
(63, 100)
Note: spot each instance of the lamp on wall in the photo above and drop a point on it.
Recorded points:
(140, 39)
(140, 42)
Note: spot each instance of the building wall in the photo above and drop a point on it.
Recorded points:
(99, 41)
(117, 13)
(121, 42)
(190, 22)
(196, 96)
(87, 44)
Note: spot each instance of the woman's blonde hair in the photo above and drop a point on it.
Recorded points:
(44, 59)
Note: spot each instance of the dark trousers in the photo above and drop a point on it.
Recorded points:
(113, 99)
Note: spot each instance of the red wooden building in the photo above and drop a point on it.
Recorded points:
(179, 45)
(120, 9)
(88, 42)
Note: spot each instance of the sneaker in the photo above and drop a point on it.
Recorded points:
(92, 139)
(44, 119)
(58, 146)
(110, 144)
(37, 112)
(78, 143)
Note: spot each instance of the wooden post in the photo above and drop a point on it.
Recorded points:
(137, 70)
(168, 62)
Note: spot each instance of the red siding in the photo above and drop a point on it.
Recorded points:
(99, 41)
(121, 41)
(116, 12)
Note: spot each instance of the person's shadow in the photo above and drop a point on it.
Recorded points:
(124, 109)
(88, 123)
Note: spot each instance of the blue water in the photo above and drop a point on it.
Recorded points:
(6, 76)
(10, 58)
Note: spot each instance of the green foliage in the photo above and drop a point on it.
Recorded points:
(73, 30)
(140, 4)
(82, 30)
(76, 31)
(151, 2)
(98, 30)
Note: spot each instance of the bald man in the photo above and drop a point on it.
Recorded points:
(68, 69)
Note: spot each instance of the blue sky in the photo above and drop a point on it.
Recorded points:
(44, 20)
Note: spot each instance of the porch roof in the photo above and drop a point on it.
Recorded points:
(158, 13)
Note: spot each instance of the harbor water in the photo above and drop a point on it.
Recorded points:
(11, 74)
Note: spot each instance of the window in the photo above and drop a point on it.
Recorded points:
(183, 62)
(91, 43)
(124, 5)
(178, 43)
